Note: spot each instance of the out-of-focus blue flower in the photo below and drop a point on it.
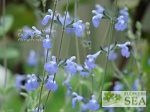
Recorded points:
(27, 32)
(124, 49)
(71, 67)
(148, 61)
(92, 104)
(51, 67)
(83, 71)
(30, 32)
(112, 55)
(79, 28)
(118, 86)
(125, 13)
(90, 62)
(109, 109)
(40, 110)
(76, 98)
(47, 42)
(67, 84)
(18, 80)
(51, 85)
(48, 17)
(83, 107)
(32, 82)
(136, 85)
(98, 15)
(121, 24)
(96, 18)
(32, 59)
(36, 31)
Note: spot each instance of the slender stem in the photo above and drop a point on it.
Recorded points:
(54, 10)
(121, 75)
(106, 63)
(60, 47)
(76, 39)
(92, 84)
(5, 46)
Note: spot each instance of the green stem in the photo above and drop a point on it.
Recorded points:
(60, 47)
(106, 63)
(54, 10)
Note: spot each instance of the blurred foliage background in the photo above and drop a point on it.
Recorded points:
(20, 13)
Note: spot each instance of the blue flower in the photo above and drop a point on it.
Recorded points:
(83, 71)
(27, 32)
(71, 67)
(48, 17)
(47, 42)
(51, 67)
(32, 82)
(76, 98)
(36, 31)
(125, 13)
(148, 61)
(118, 86)
(124, 49)
(96, 18)
(98, 15)
(121, 24)
(51, 85)
(112, 55)
(79, 28)
(109, 109)
(92, 104)
(90, 62)
(136, 85)
(32, 59)
(18, 80)
(30, 32)
(40, 110)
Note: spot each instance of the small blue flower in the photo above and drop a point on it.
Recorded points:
(98, 15)
(96, 18)
(32, 82)
(136, 85)
(76, 98)
(112, 55)
(18, 80)
(47, 17)
(90, 62)
(40, 110)
(51, 85)
(79, 28)
(83, 71)
(30, 32)
(121, 24)
(148, 61)
(71, 67)
(32, 59)
(27, 32)
(36, 31)
(124, 49)
(125, 13)
(109, 109)
(118, 86)
(51, 67)
(47, 42)
(92, 104)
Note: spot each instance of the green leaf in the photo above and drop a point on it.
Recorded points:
(10, 53)
(70, 25)
(58, 21)
(8, 24)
